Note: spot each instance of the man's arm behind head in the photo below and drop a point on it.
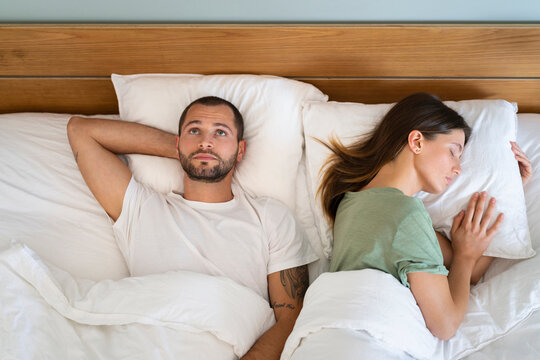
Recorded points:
(95, 143)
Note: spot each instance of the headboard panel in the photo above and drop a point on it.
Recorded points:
(66, 68)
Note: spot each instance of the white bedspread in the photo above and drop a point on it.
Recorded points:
(368, 300)
(376, 303)
(45, 313)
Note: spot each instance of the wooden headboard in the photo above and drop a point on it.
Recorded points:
(66, 68)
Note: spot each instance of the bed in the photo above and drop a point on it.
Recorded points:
(60, 267)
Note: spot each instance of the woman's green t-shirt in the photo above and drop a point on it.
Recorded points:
(384, 229)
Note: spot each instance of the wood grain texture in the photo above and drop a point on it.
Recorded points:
(65, 95)
(285, 50)
(96, 96)
(65, 68)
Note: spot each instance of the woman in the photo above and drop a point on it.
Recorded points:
(367, 194)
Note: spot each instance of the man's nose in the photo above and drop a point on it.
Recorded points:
(206, 142)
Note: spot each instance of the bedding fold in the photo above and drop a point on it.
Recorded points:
(376, 303)
(48, 312)
(368, 300)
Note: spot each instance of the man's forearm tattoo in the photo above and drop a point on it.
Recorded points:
(275, 305)
(295, 281)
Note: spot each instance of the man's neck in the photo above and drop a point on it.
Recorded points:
(208, 192)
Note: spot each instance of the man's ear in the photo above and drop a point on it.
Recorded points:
(415, 141)
(241, 150)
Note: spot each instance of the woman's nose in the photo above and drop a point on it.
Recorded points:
(457, 169)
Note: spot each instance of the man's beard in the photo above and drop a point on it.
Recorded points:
(206, 174)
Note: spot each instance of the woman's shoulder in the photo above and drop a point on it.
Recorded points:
(388, 200)
(386, 194)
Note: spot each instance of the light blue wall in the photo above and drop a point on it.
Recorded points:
(269, 10)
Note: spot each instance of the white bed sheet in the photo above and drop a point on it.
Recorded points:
(521, 343)
(48, 314)
(45, 203)
(341, 344)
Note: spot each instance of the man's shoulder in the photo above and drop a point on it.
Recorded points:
(269, 210)
(144, 195)
(267, 203)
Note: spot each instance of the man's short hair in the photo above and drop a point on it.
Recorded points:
(215, 101)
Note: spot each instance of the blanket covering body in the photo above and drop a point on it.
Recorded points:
(48, 314)
(376, 303)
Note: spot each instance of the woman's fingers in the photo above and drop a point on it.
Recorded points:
(479, 210)
(475, 215)
(471, 233)
(457, 221)
(470, 208)
(525, 168)
(516, 149)
(488, 215)
(524, 164)
(523, 160)
(493, 229)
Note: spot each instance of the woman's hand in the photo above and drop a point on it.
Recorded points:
(470, 232)
(525, 168)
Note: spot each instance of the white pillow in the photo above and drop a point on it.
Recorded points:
(271, 107)
(528, 139)
(487, 163)
(46, 203)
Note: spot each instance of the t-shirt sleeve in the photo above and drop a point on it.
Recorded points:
(288, 244)
(417, 247)
(134, 197)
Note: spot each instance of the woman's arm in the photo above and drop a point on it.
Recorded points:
(443, 300)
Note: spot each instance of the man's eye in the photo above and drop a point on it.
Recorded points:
(221, 133)
(193, 131)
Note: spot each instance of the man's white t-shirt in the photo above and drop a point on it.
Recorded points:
(244, 239)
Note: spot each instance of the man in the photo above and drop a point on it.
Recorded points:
(212, 228)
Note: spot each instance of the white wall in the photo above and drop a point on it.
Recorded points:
(170, 11)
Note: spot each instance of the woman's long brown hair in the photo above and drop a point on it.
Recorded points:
(350, 168)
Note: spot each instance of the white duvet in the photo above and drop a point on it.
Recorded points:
(46, 313)
(376, 303)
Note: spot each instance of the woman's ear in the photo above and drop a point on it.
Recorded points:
(415, 141)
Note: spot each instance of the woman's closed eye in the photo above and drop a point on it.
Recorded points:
(455, 151)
